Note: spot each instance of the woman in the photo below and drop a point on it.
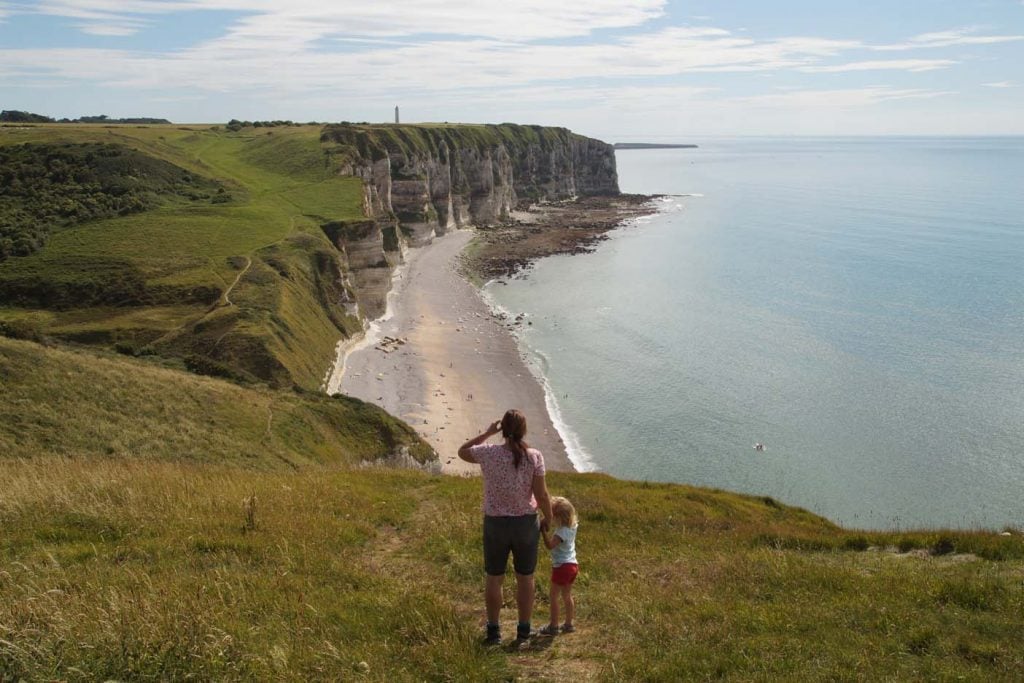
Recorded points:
(514, 488)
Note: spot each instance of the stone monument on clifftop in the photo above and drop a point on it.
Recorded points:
(396, 113)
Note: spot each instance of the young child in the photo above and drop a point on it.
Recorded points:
(561, 541)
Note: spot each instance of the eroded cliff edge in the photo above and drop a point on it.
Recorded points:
(421, 181)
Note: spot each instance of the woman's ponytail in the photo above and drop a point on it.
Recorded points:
(513, 428)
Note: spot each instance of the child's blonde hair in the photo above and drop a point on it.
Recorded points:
(563, 511)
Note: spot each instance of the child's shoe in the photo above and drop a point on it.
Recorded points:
(568, 628)
(549, 630)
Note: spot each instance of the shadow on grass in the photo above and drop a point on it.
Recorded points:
(535, 644)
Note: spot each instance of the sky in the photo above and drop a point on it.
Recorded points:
(659, 70)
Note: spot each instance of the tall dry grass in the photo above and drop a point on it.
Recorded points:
(114, 569)
(128, 570)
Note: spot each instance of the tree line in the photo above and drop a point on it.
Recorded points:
(15, 116)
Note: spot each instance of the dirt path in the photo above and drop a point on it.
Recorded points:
(225, 297)
(223, 301)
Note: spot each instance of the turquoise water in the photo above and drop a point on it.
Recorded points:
(857, 305)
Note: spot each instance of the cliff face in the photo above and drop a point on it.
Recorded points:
(420, 181)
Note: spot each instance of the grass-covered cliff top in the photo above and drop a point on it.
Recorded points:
(185, 242)
(375, 141)
(204, 243)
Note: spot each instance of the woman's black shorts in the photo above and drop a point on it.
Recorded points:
(520, 535)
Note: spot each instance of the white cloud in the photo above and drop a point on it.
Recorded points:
(960, 36)
(840, 98)
(637, 98)
(913, 65)
(1001, 84)
(277, 20)
(676, 116)
(282, 44)
(659, 97)
(110, 29)
(105, 17)
(479, 56)
(257, 60)
(179, 98)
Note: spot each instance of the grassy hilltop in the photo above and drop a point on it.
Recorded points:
(160, 525)
(134, 568)
(228, 270)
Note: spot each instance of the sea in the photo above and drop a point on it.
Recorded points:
(856, 305)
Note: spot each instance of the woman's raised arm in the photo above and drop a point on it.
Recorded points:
(464, 453)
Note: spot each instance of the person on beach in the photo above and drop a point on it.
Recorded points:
(564, 568)
(514, 488)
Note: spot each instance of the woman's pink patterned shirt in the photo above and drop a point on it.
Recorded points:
(508, 490)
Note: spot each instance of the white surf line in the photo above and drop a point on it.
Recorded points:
(581, 459)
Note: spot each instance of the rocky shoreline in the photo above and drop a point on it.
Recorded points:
(566, 227)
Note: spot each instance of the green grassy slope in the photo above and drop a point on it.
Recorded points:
(162, 274)
(112, 569)
(81, 405)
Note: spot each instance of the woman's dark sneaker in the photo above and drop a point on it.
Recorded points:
(493, 636)
(568, 628)
(549, 630)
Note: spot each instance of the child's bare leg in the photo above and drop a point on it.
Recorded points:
(554, 605)
(570, 604)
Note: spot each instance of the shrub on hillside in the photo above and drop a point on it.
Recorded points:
(21, 329)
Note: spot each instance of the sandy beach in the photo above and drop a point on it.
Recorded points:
(443, 363)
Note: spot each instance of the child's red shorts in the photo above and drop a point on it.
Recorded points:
(564, 574)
